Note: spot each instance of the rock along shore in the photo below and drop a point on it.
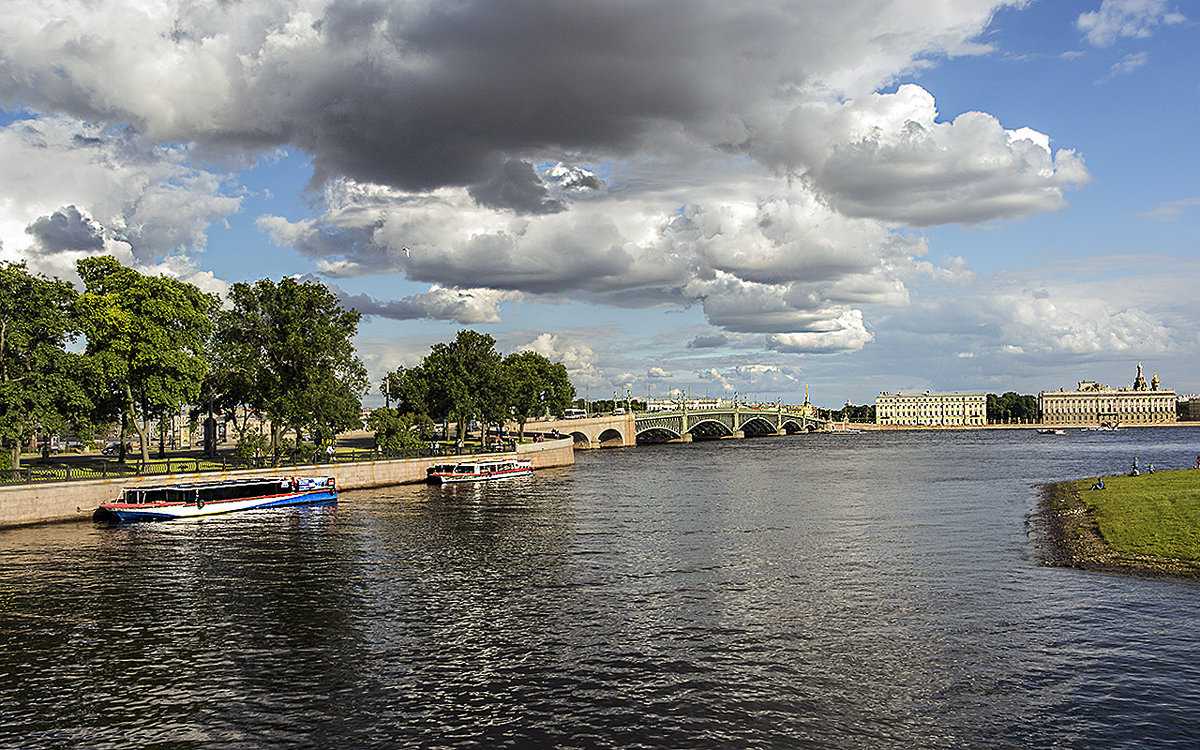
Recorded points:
(1073, 540)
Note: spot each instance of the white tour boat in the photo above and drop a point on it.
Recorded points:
(168, 501)
(479, 471)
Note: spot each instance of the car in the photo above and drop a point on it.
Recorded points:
(113, 449)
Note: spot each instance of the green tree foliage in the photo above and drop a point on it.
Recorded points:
(1011, 407)
(40, 382)
(461, 380)
(146, 336)
(290, 348)
(864, 413)
(407, 390)
(394, 431)
(536, 386)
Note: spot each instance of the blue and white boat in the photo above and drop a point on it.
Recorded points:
(170, 501)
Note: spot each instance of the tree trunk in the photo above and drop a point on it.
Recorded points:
(122, 437)
(137, 425)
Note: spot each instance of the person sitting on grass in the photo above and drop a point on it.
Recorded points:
(1099, 485)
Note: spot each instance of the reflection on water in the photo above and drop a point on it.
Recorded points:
(823, 591)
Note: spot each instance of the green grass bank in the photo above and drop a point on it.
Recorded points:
(1143, 525)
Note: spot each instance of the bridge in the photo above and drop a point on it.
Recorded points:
(681, 426)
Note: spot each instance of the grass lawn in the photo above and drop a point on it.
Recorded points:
(1153, 514)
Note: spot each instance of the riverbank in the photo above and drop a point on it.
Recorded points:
(55, 502)
(1147, 525)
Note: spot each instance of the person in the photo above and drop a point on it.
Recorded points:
(1135, 471)
(1198, 462)
(1099, 484)
(1150, 469)
(329, 451)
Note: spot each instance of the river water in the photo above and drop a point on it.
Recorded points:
(824, 591)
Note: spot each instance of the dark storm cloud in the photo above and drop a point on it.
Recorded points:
(66, 229)
(515, 186)
(713, 341)
(454, 88)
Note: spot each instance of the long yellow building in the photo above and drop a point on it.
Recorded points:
(931, 409)
(1094, 404)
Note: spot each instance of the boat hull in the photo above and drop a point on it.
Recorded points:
(122, 512)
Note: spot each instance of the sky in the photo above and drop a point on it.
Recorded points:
(763, 198)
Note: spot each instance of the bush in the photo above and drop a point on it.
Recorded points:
(251, 445)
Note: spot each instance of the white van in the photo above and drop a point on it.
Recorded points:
(574, 413)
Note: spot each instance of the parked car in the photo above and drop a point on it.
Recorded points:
(113, 449)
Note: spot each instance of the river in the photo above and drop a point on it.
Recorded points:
(823, 591)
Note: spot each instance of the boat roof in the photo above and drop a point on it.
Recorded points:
(217, 483)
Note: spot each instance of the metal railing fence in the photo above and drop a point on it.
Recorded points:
(40, 472)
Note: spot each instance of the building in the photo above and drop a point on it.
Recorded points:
(1094, 404)
(1187, 408)
(931, 409)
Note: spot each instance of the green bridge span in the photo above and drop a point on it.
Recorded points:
(682, 425)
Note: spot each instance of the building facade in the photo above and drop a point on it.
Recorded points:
(1187, 408)
(931, 409)
(1094, 404)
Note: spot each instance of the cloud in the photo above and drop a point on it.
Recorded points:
(891, 159)
(713, 375)
(1126, 64)
(466, 306)
(424, 95)
(66, 229)
(709, 341)
(1118, 19)
(739, 158)
(76, 189)
(577, 357)
(657, 373)
(1170, 211)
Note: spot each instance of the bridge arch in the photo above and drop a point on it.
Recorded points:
(758, 425)
(708, 429)
(657, 434)
(581, 439)
(611, 438)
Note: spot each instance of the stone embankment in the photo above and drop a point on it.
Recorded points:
(26, 504)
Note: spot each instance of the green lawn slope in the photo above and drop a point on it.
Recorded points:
(1148, 524)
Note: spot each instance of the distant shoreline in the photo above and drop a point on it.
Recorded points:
(1074, 540)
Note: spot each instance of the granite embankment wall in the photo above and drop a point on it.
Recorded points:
(25, 504)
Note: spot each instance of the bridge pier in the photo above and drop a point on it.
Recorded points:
(687, 438)
(738, 434)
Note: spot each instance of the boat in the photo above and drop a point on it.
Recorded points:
(479, 471)
(1052, 431)
(170, 501)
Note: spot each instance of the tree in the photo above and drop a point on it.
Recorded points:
(292, 344)
(1011, 407)
(393, 431)
(852, 413)
(462, 380)
(40, 382)
(407, 389)
(536, 386)
(146, 336)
